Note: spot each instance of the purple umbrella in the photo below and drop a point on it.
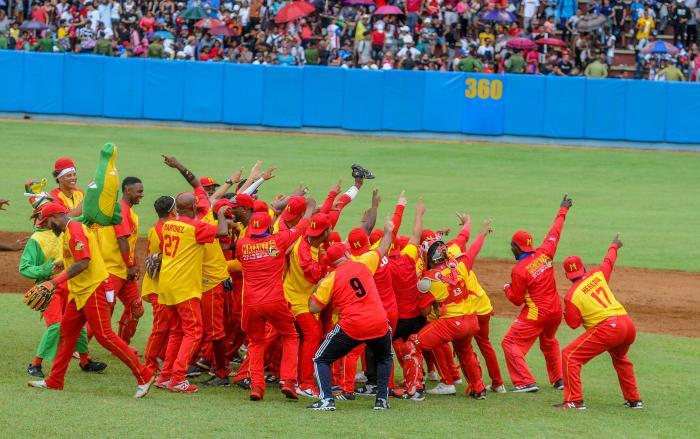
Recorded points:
(388, 10)
(498, 16)
(521, 43)
(659, 46)
(33, 25)
(359, 2)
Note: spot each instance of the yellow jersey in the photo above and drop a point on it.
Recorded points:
(450, 288)
(109, 245)
(150, 285)
(214, 267)
(79, 244)
(303, 273)
(594, 299)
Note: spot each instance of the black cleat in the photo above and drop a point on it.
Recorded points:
(418, 396)
(346, 396)
(559, 384)
(577, 405)
(93, 366)
(360, 172)
(478, 395)
(35, 371)
(638, 405)
(194, 371)
(381, 404)
(527, 388)
(326, 405)
(272, 379)
(367, 390)
(243, 384)
(203, 364)
(215, 381)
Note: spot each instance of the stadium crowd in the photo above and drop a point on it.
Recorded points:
(441, 35)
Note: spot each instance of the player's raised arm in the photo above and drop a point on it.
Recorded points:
(369, 219)
(418, 223)
(233, 180)
(470, 255)
(609, 261)
(551, 241)
(387, 237)
(189, 176)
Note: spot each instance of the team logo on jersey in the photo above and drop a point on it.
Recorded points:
(78, 246)
(273, 251)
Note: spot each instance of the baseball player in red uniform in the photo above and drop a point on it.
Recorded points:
(88, 284)
(532, 283)
(590, 302)
(363, 320)
(262, 257)
(67, 192)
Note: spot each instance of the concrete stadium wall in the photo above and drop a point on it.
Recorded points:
(242, 94)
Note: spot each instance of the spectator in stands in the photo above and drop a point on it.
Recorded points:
(516, 63)
(470, 63)
(669, 72)
(598, 68)
(681, 14)
(644, 26)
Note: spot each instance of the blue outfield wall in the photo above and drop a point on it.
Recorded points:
(241, 94)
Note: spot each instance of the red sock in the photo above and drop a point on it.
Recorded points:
(84, 358)
(37, 361)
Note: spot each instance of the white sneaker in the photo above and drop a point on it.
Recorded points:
(308, 393)
(433, 376)
(38, 384)
(443, 389)
(76, 355)
(499, 389)
(142, 389)
(360, 377)
(458, 381)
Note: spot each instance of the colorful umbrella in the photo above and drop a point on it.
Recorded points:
(359, 2)
(162, 34)
(521, 43)
(551, 42)
(659, 46)
(388, 10)
(498, 16)
(33, 25)
(207, 23)
(195, 13)
(591, 22)
(293, 10)
(222, 30)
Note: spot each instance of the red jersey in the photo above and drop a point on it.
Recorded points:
(354, 294)
(533, 278)
(404, 280)
(263, 262)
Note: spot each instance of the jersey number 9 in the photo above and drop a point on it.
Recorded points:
(357, 286)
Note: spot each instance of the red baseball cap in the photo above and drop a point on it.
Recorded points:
(52, 208)
(320, 222)
(63, 163)
(427, 234)
(573, 267)
(398, 244)
(222, 203)
(335, 252)
(333, 238)
(259, 223)
(376, 236)
(523, 240)
(208, 181)
(358, 241)
(260, 206)
(295, 207)
(244, 200)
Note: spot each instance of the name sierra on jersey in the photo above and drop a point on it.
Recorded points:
(259, 250)
(539, 265)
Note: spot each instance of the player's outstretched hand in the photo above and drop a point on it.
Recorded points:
(388, 226)
(420, 207)
(269, 174)
(236, 176)
(464, 218)
(486, 228)
(170, 161)
(566, 202)
(617, 240)
(337, 186)
(376, 199)
(402, 199)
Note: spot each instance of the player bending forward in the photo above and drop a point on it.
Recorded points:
(590, 302)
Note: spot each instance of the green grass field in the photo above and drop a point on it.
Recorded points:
(651, 197)
(102, 405)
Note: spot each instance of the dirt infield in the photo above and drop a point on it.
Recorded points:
(659, 301)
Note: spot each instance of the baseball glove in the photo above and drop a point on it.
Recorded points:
(153, 265)
(39, 296)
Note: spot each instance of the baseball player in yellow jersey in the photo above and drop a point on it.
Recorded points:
(88, 284)
(67, 192)
(118, 247)
(590, 302)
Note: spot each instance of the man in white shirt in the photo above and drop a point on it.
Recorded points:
(529, 9)
(105, 13)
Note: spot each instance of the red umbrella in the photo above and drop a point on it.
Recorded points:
(551, 42)
(207, 23)
(388, 10)
(292, 11)
(521, 43)
(222, 30)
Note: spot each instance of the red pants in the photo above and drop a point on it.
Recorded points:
(614, 335)
(183, 342)
(518, 341)
(458, 330)
(235, 337)
(487, 351)
(97, 312)
(127, 291)
(54, 312)
(271, 344)
(280, 317)
(310, 334)
(158, 340)
(445, 364)
(214, 336)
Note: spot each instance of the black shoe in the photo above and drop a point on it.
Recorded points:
(218, 382)
(327, 405)
(478, 395)
(367, 390)
(559, 384)
(194, 371)
(237, 360)
(93, 366)
(381, 404)
(35, 371)
(360, 172)
(271, 379)
(577, 405)
(418, 396)
(203, 364)
(346, 396)
(243, 384)
(527, 388)
(634, 405)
